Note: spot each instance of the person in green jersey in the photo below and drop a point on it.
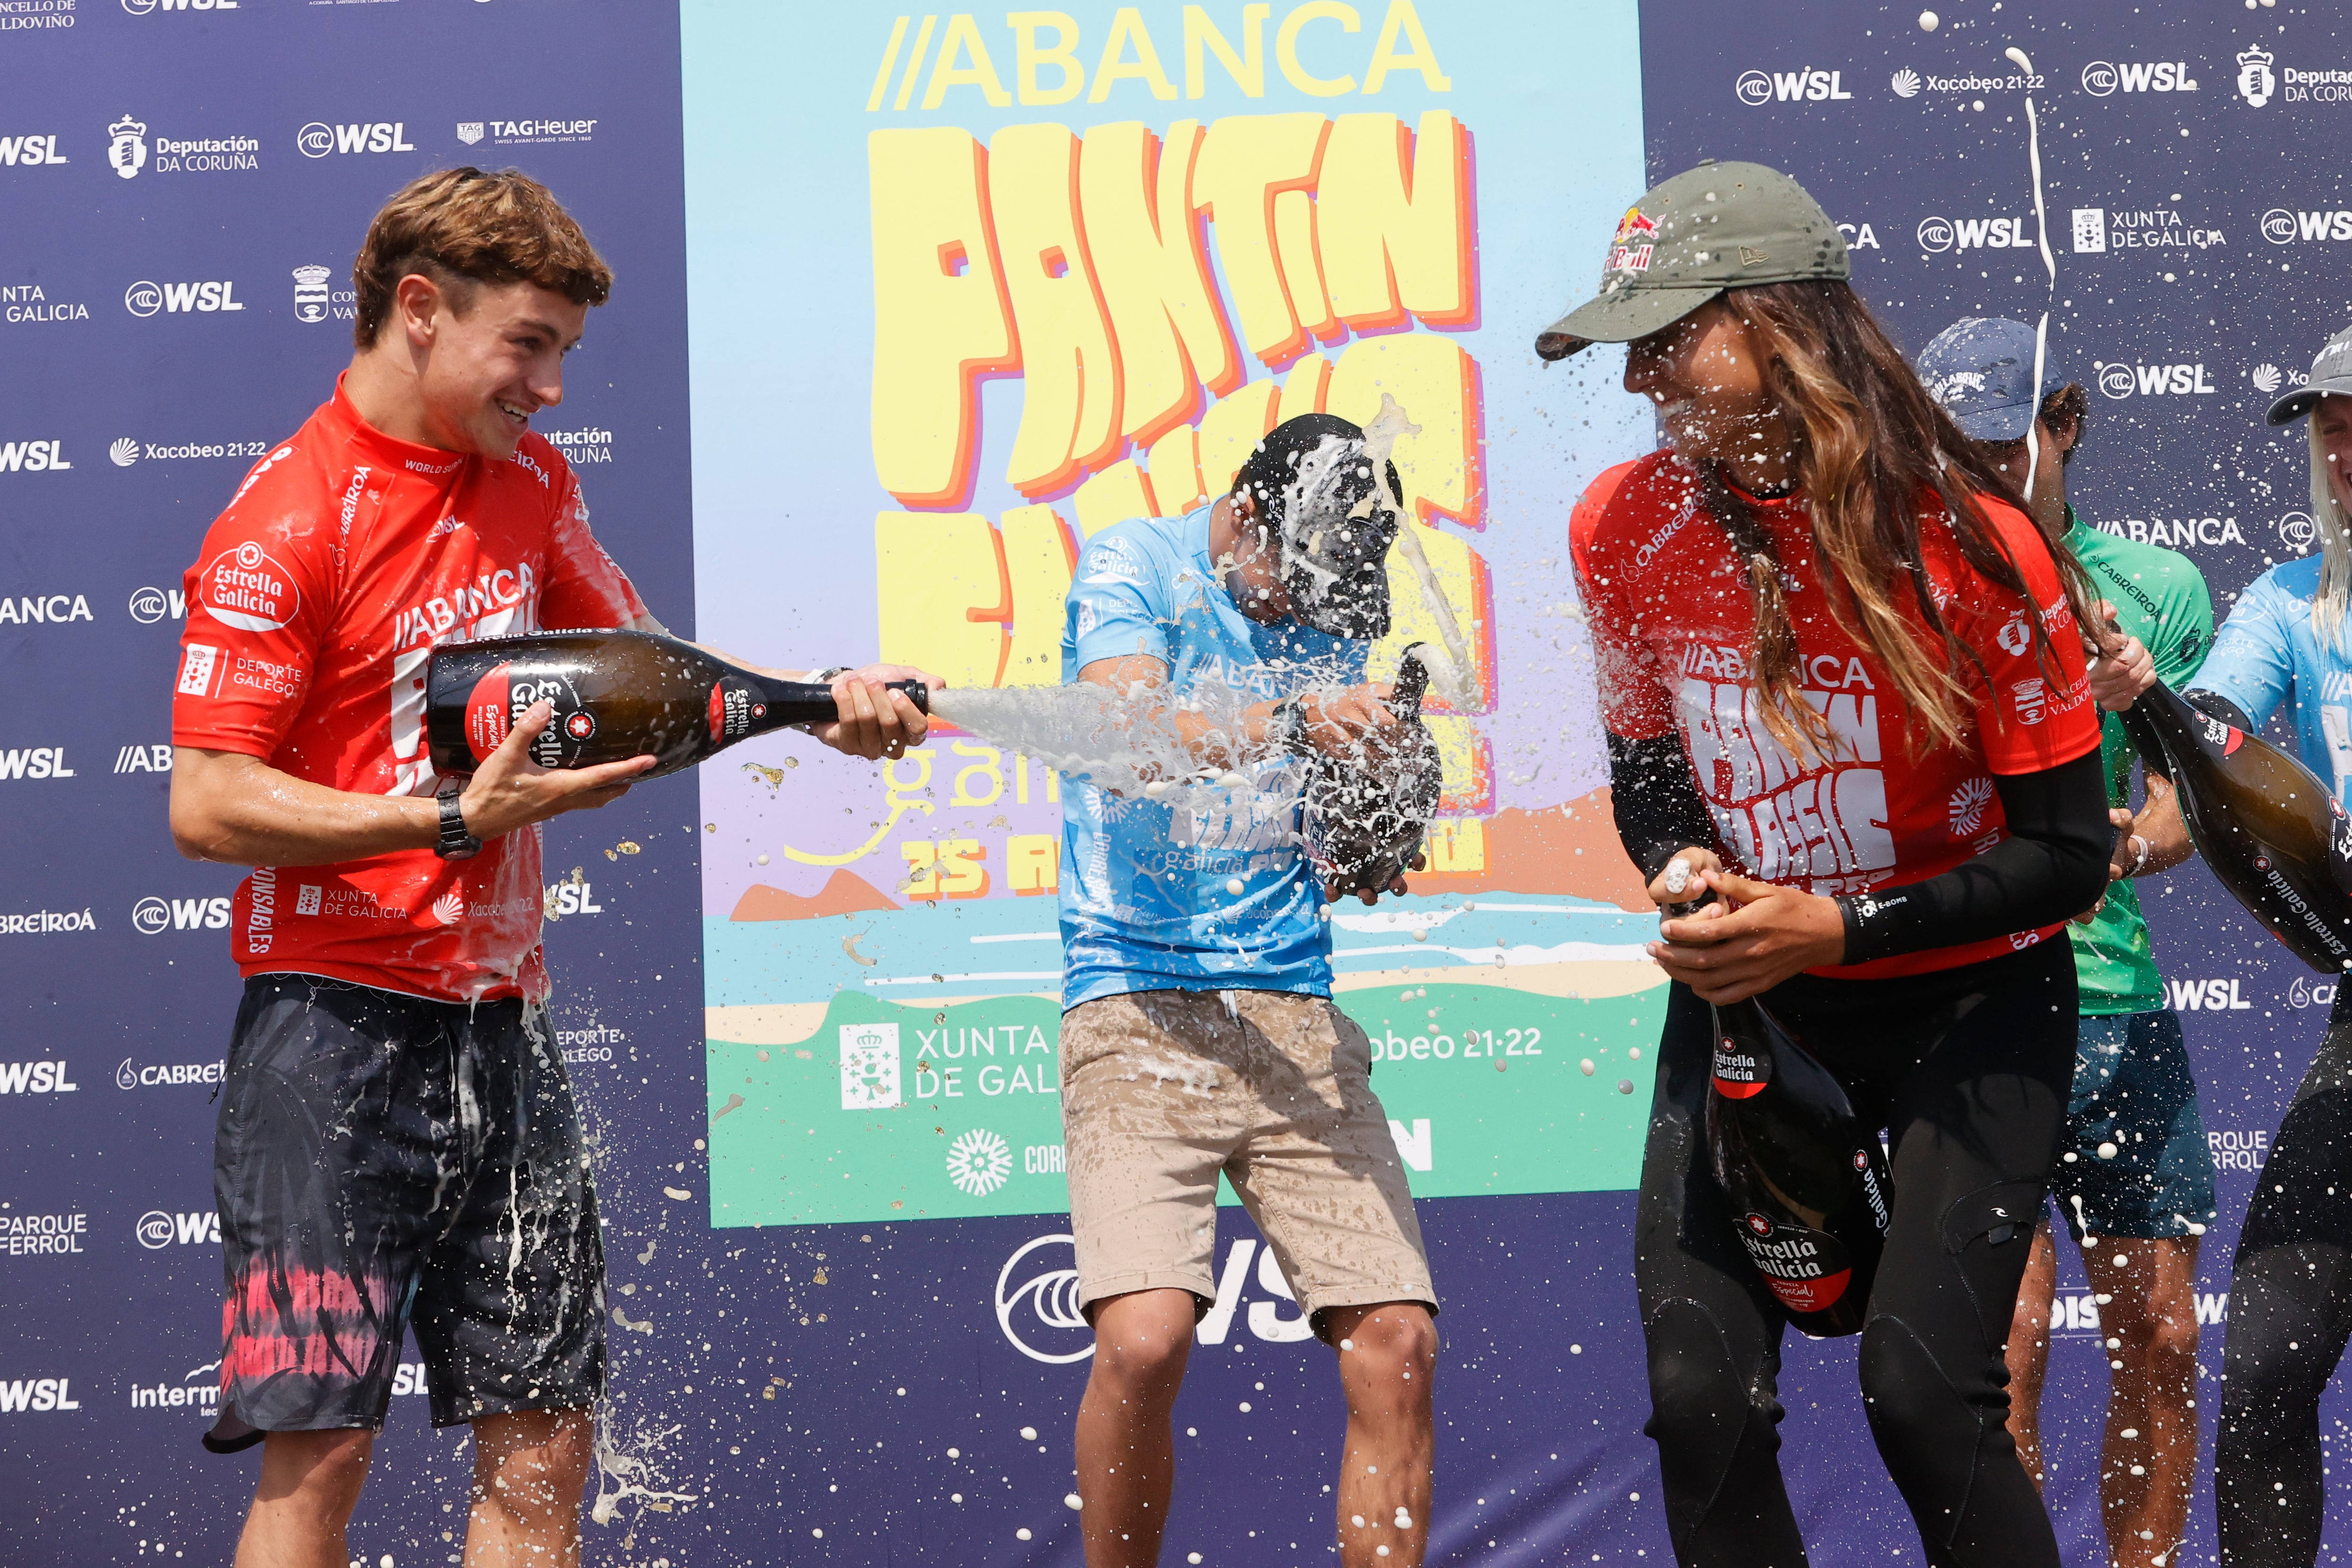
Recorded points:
(2134, 1178)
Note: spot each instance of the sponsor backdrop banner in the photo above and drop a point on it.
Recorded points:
(958, 290)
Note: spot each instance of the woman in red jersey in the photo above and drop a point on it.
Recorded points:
(1845, 684)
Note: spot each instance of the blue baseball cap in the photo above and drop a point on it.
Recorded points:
(1980, 368)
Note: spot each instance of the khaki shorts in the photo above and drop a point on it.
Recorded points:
(1163, 1090)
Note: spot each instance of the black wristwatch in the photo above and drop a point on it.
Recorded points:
(454, 843)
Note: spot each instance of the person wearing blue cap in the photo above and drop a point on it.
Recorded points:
(2134, 1178)
(2287, 644)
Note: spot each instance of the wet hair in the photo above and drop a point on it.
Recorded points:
(465, 226)
(1872, 452)
(1273, 464)
(2327, 513)
(2060, 405)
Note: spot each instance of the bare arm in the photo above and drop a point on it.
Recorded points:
(238, 810)
(2159, 823)
(1339, 723)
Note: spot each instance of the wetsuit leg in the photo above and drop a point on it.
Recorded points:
(1713, 1331)
(2290, 1315)
(1974, 1125)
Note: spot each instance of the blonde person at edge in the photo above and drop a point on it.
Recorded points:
(389, 935)
(1199, 1039)
(2285, 647)
(2134, 1180)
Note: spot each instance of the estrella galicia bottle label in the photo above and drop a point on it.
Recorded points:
(733, 705)
(1741, 1072)
(501, 698)
(1867, 1173)
(1806, 1269)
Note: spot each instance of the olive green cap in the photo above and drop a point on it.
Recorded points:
(1719, 226)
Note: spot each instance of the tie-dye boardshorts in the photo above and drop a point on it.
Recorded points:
(386, 1163)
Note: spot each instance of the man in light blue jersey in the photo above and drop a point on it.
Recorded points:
(1199, 1036)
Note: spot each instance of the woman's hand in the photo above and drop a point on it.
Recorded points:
(1749, 937)
(1695, 862)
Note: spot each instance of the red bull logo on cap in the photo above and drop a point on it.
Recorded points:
(1630, 250)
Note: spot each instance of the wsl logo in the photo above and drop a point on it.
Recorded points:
(2101, 77)
(143, 298)
(318, 139)
(1937, 234)
(1756, 89)
(1037, 1304)
(2120, 380)
(126, 147)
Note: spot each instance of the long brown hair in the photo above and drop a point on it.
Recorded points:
(1870, 453)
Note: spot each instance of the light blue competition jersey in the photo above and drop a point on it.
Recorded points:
(1147, 901)
(2267, 653)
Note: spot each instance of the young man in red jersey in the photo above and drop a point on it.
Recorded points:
(398, 1147)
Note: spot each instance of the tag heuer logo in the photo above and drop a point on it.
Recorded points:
(470, 132)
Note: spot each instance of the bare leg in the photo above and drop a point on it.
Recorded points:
(2028, 1352)
(1127, 1454)
(1388, 1354)
(2149, 1459)
(530, 1470)
(309, 1484)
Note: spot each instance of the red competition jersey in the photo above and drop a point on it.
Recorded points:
(1671, 618)
(342, 562)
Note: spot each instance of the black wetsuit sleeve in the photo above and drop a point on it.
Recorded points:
(1657, 803)
(2052, 867)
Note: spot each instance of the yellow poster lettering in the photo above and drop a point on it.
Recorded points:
(1152, 263)
(1119, 492)
(947, 595)
(963, 44)
(922, 858)
(1070, 374)
(961, 873)
(1247, 69)
(1393, 217)
(1247, 161)
(982, 776)
(1176, 471)
(1032, 862)
(942, 317)
(1294, 250)
(1466, 764)
(1436, 384)
(1404, 21)
(1039, 558)
(1232, 426)
(1128, 32)
(1285, 48)
(1027, 57)
(1457, 846)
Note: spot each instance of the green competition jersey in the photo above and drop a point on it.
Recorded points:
(2160, 598)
